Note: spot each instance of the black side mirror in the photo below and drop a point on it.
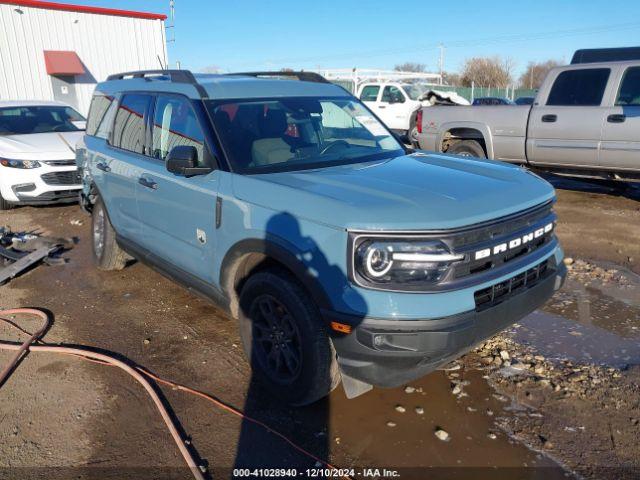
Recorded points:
(183, 160)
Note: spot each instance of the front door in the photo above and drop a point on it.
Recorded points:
(177, 213)
(392, 108)
(565, 129)
(620, 147)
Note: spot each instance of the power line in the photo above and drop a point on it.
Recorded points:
(502, 39)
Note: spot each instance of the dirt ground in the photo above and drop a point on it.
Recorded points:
(562, 400)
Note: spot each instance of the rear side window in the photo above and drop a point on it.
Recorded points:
(584, 88)
(629, 94)
(128, 128)
(175, 123)
(370, 93)
(98, 112)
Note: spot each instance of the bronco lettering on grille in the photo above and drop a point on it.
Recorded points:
(513, 243)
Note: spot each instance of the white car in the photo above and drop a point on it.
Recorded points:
(396, 104)
(37, 152)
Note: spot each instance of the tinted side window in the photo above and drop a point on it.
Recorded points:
(97, 112)
(392, 94)
(128, 128)
(370, 93)
(579, 87)
(175, 123)
(106, 125)
(629, 93)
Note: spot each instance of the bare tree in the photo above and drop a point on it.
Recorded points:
(487, 72)
(211, 69)
(411, 67)
(536, 72)
(451, 78)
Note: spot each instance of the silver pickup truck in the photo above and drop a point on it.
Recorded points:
(585, 121)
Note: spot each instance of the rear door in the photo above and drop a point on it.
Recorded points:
(370, 95)
(177, 213)
(565, 129)
(620, 147)
(122, 163)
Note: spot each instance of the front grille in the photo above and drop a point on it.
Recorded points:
(495, 294)
(62, 178)
(61, 163)
(502, 232)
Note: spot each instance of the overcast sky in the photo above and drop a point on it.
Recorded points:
(260, 34)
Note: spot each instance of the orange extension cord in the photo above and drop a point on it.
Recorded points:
(138, 373)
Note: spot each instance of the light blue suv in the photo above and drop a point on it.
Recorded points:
(343, 254)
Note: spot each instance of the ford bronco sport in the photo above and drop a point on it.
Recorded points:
(343, 255)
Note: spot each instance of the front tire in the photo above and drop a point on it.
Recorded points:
(107, 255)
(467, 148)
(4, 205)
(285, 340)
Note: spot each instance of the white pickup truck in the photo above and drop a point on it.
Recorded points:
(396, 103)
(585, 121)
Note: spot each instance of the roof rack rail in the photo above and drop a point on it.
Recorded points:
(180, 76)
(177, 76)
(302, 76)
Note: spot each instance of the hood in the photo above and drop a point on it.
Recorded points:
(36, 146)
(413, 192)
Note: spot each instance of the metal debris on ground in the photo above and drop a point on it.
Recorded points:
(21, 250)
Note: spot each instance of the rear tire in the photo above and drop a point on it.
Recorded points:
(107, 255)
(285, 340)
(412, 136)
(4, 205)
(467, 148)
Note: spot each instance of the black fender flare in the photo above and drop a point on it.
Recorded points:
(276, 249)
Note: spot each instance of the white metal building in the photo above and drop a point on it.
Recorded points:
(55, 51)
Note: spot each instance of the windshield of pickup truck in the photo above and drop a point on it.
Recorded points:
(284, 134)
(39, 119)
(413, 91)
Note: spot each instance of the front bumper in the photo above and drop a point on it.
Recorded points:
(389, 353)
(43, 185)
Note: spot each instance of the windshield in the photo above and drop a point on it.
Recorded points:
(299, 133)
(413, 91)
(38, 119)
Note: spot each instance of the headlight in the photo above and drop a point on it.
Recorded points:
(400, 264)
(6, 162)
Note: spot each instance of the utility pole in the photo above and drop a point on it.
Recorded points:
(441, 62)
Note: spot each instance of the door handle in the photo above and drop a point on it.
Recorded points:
(549, 118)
(382, 106)
(617, 118)
(145, 182)
(103, 166)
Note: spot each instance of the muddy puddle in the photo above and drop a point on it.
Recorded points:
(587, 322)
(473, 448)
(592, 322)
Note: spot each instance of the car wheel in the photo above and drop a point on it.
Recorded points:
(107, 255)
(467, 148)
(285, 340)
(413, 137)
(4, 205)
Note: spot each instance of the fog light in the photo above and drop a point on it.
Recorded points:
(24, 187)
(378, 340)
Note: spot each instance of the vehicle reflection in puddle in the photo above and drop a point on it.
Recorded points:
(360, 429)
(595, 323)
